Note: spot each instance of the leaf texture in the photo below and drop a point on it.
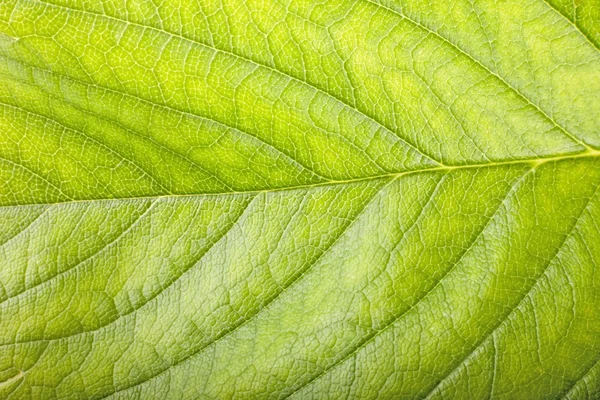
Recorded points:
(299, 199)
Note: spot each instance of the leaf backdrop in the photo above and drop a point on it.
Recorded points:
(306, 199)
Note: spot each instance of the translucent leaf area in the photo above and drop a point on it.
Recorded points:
(314, 199)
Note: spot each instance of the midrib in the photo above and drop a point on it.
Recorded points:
(532, 162)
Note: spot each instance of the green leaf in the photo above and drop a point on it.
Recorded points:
(307, 199)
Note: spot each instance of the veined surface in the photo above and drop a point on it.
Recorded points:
(309, 199)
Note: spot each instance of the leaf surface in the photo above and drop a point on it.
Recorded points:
(305, 199)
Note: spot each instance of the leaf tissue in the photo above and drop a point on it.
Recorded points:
(306, 199)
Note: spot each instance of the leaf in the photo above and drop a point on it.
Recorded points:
(308, 199)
